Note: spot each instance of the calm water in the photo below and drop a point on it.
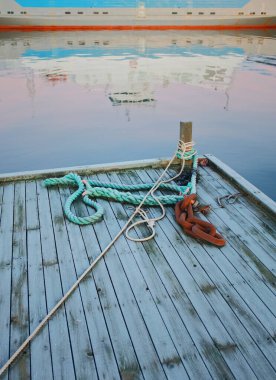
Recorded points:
(92, 97)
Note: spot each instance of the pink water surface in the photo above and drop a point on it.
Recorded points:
(55, 107)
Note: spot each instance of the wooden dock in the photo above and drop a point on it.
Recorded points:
(170, 308)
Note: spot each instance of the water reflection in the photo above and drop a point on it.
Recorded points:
(131, 66)
(119, 96)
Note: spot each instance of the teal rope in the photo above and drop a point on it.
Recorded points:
(75, 180)
(116, 192)
(189, 155)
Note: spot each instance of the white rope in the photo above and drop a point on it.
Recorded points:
(184, 148)
(150, 222)
(139, 211)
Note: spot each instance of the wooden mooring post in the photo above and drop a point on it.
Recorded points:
(186, 135)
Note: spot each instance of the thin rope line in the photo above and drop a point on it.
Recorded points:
(91, 266)
(183, 149)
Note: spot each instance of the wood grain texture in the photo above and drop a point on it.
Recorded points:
(63, 365)
(245, 185)
(19, 327)
(102, 349)
(122, 344)
(192, 280)
(170, 308)
(84, 362)
(41, 365)
(6, 233)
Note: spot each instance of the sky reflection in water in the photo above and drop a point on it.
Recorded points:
(82, 98)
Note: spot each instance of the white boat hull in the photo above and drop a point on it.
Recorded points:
(255, 13)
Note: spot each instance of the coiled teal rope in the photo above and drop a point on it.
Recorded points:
(120, 192)
(113, 191)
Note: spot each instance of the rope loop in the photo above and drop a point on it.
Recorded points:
(150, 223)
(90, 190)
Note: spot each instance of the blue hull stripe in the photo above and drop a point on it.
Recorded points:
(133, 3)
(127, 53)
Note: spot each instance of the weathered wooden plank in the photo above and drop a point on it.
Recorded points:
(84, 362)
(254, 192)
(244, 302)
(101, 344)
(82, 170)
(264, 304)
(41, 363)
(262, 281)
(244, 260)
(247, 259)
(221, 338)
(159, 334)
(249, 299)
(6, 232)
(242, 219)
(165, 300)
(239, 228)
(62, 359)
(147, 353)
(126, 356)
(247, 306)
(19, 292)
(232, 324)
(254, 214)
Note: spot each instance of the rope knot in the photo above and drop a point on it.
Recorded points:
(151, 223)
(186, 150)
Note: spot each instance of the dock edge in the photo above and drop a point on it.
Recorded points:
(82, 170)
(256, 194)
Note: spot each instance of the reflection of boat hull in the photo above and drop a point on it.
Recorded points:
(150, 14)
(131, 67)
(49, 45)
(118, 98)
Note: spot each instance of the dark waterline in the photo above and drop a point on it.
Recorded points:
(82, 98)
